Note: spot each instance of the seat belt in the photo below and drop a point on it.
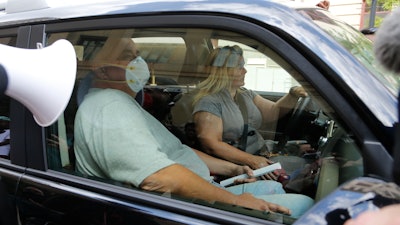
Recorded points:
(243, 139)
(242, 106)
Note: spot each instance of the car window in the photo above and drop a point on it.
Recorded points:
(308, 138)
(5, 113)
(355, 42)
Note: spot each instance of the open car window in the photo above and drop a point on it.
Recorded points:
(176, 60)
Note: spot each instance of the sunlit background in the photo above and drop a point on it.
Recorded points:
(54, 3)
(361, 14)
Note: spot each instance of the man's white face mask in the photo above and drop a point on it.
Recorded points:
(137, 74)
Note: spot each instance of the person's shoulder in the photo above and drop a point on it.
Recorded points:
(102, 99)
(210, 103)
(207, 99)
(247, 92)
(214, 96)
(109, 93)
(243, 89)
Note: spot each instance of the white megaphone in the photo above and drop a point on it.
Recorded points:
(41, 79)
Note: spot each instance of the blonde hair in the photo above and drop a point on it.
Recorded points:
(219, 72)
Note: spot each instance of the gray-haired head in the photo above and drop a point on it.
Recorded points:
(387, 42)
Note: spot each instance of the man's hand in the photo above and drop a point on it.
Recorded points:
(248, 200)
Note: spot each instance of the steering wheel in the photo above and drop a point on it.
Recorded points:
(298, 112)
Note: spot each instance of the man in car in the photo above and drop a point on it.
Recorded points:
(115, 138)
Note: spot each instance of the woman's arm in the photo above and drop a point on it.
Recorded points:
(209, 130)
(272, 111)
(287, 102)
(225, 168)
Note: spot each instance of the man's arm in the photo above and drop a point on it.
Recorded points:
(179, 180)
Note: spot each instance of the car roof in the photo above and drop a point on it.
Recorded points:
(17, 14)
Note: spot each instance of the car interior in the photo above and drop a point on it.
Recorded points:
(175, 57)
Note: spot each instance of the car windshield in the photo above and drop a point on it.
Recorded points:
(356, 43)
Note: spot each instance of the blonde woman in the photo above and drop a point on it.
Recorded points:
(218, 115)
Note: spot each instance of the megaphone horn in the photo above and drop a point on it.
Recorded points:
(41, 79)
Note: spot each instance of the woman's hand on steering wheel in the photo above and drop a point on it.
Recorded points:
(298, 91)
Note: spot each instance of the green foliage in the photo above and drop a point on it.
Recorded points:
(386, 4)
(378, 22)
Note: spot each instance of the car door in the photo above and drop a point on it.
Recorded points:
(51, 191)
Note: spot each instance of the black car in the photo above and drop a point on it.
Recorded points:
(349, 117)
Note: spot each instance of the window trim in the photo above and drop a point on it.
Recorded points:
(252, 30)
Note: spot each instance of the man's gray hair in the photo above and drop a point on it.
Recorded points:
(387, 42)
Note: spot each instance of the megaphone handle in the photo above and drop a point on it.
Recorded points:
(3, 79)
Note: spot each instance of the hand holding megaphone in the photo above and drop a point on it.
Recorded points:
(41, 79)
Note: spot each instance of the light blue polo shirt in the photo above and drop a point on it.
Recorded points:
(116, 138)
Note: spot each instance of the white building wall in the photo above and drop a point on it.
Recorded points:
(347, 10)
